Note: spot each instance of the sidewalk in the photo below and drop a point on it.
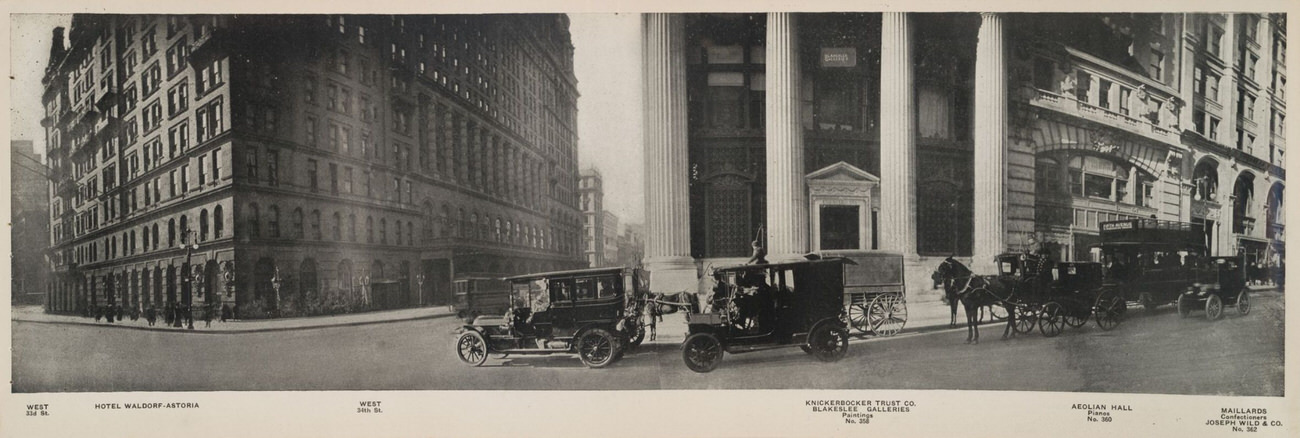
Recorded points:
(36, 314)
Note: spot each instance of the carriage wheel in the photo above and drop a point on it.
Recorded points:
(471, 348)
(1026, 320)
(1213, 307)
(597, 348)
(702, 352)
(998, 313)
(1184, 306)
(1109, 310)
(1243, 303)
(1077, 318)
(887, 315)
(828, 342)
(858, 317)
(1052, 320)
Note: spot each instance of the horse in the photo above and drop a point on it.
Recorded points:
(974, 292)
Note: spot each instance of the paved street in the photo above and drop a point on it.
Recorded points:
(1148, 353)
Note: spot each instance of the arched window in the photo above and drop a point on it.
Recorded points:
(383, 231)
(1205, 181)
(446, 222)
(410, 234)
(397, 232)
(171, 231)
(462, 225)
(203, 225)
(155, 236)
(297, 223)
(473, 225)
(218, 224)
(146, 237)
(352, 227)
(370, 229)
(185, 229)
(252, 221)
(345, 274)
(273, 222)
(336, 227)
(426, 228)
(315, 225)
(496, 235)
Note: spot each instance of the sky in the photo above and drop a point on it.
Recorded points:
(607, 62)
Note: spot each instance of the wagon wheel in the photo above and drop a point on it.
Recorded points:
(598, 348)
(702, 352)
(1213, 307)
(829, 342)
(471, 348)
(858, 317)
(1184, 305)
(1052, 320)
(887, 315)
(1243, 303)
(1026, 320)
(1109, 311)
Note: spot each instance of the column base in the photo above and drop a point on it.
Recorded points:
(673, 275)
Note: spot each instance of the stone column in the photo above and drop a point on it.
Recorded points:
(787, 203)
(990, 141)
(667, 207)
(897, 136)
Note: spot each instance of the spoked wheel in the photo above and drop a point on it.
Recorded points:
(1052, 320)
(597, 348)
(702, 352)
(887, 315)
(471, 348)
(1213, 307)
(1184, 306)
(828, 342)
(1243, 303)
(1026, 320)
(1109, 310)
(1076, 318)
(858, 317)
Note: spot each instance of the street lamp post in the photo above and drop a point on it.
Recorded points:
(419, 280)
(276, 282)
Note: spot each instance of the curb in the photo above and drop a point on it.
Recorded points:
(227, 331)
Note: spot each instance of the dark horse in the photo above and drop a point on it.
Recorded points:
(974, 292)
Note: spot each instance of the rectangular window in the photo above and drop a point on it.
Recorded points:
(178, 98)
(1103, 95)
(365, 182)
(334, 179)
(178, 139)
(272, 167)
(203, 173)
(347, 180)
(185, 178)
(310, 130)
(209, 77)
(312, 182)
(250, 163)
(1157, 65)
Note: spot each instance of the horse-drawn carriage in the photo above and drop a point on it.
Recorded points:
(595, 313)
(763, 306)
(1051, 296)
(874, 298)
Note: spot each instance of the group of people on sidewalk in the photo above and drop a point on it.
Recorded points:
(177, 314)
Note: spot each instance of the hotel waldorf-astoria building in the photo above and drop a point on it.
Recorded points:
(956, 134)
(306, 164)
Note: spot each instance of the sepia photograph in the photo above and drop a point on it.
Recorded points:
(419, 207)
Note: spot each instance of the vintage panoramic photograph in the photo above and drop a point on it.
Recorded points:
(997, 201)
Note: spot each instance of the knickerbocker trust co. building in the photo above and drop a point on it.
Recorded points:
(956, 134)
(306, 164)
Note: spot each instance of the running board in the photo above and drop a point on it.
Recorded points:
(533, 351)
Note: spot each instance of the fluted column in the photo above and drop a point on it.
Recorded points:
(667, 208)
(897, 136)
(787, 199)
(990, 141)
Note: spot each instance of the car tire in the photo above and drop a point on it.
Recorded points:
(1243, 303)
(829, 341)
(1213, 307)
(598, 348)
(702, 352)
(1184, 305)
(471, 348)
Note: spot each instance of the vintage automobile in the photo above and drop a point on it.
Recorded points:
(595, 313)
(1219, 282)
(763, 306)
(1149, 261)
(480, 296)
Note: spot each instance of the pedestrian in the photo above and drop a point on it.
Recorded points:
(120, 311)
(151, 315)
(225, 312)
(207, 315)
(99, 313)
(135, 313)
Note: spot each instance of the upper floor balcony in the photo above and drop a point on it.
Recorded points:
(1081, 85)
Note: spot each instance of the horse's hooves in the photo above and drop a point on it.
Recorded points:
(976, 342)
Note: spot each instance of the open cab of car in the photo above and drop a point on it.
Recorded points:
(594, 313)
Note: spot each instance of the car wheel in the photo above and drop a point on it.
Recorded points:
(1052, 321)
(471, 348)
(702, 352)
(1243, 303)
(1213, 307)
(1184, 306)
(598, 348)
(829, 342)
